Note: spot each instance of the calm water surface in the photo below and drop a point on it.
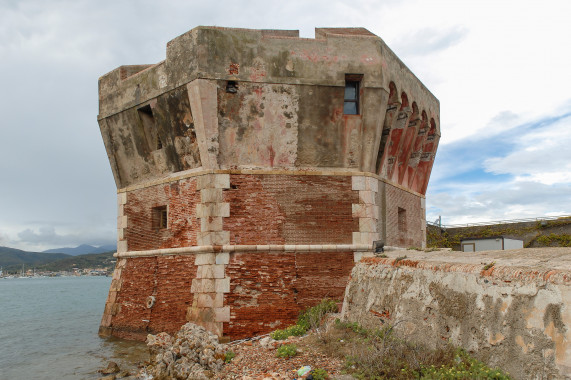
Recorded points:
(48, 329)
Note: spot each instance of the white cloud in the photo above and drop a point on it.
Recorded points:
(430, 40)
(541, 155)
(499, 201)
(44, 237)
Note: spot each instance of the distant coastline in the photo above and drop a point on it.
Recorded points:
(15, 263)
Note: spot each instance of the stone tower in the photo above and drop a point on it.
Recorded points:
(253, 169)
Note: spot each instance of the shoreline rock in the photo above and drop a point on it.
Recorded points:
(193, 353)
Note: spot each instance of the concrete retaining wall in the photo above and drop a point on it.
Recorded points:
(510, 309)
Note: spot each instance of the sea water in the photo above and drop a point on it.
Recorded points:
(48, 329)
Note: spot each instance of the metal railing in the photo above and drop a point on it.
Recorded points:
(495, 222)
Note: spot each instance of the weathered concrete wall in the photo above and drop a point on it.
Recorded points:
(510, 309)
(286, 110)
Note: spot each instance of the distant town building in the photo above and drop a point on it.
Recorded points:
(253, 169)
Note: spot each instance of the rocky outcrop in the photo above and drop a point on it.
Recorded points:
(193, 353)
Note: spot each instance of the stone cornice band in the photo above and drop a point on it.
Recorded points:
(229, 248)
(199, 172)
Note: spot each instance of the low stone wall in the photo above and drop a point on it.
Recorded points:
(511, 309)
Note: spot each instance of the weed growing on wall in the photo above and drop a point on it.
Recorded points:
(308, 319)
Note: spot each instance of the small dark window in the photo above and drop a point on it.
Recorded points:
(351, 101)
(150, 127)
(160, 217)
(147, 111)
(402, 219)
(231, 87)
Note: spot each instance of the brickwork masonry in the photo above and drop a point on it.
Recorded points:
(302, 234)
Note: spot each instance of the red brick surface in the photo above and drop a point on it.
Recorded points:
(181, 198)
(267, 290)
(289, 209)
(412, 236)
(169, 280)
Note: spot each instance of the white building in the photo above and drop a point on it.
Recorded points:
(496, 243)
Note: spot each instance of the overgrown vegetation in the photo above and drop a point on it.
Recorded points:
(228, 356)
(286, 351)
(381, 353)
(319, 374)
(308, 319)
(562, 240)
(488, 266)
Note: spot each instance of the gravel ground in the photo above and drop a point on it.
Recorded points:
(254, 361)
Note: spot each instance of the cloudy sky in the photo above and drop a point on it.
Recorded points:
(501, 70)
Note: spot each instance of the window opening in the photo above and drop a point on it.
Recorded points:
(150, 127)
(231, 87)
(402, 219)
(351, 98)
(160, 217)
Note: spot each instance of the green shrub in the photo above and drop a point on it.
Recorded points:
(462, 367)
(382, 354)
(308, 319)
(488, 266)
(353, 326)
(562, 240)
(229, 356)
(294, 330)
(311, 317)
(286, 351)
(320, 374)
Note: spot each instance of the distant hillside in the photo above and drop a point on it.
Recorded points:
(83, 249)
(91, 260)
(11, 259)
(538, 233)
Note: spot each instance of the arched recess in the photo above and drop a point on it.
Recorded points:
(397, 137)
(417, 149)
(391, 112)
(407, 146)
(426, 159)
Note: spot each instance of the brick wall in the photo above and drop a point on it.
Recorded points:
(287, 209)
(268, 290)
(409, 230)
(248, 293)
(180, 197)
(168, 279)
